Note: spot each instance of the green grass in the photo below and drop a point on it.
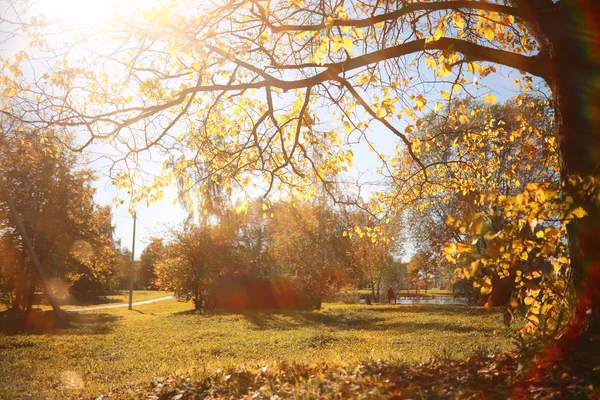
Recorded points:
(117, 348)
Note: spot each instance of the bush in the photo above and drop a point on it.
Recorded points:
(346, 295)
(86, 288)
(464, 288)
(241, 293)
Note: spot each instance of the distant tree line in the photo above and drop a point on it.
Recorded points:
(277, 256)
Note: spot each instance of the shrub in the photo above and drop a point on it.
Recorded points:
(242, 293)
(464, 288)
(346, 295)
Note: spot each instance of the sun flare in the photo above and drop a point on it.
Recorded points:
(90, 12)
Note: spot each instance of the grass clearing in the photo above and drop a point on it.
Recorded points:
(119, 297)
(117, 348)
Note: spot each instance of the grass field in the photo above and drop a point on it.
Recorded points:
(117, 348)
(117, 298)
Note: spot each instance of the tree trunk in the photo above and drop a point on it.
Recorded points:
(30, 296)
(574, 47)
(20, 289)
(197, 296)
(16, 304)
(373, 289)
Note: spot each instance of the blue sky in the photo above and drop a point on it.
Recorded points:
(155, 219)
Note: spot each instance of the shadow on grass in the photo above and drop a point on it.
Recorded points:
(368, 320)
(433, 309)
(94, 301)
(373, 318)
(301, 319)
(46, 323)
(141, 312)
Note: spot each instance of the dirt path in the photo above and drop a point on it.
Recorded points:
(137, 303)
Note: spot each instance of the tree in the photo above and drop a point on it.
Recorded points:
(422, 269)
(252, 76)
(372, 255)
(71, 235)
(195, 259)
(515, 149)
(306, 242)
(373, 259)
(148, 260)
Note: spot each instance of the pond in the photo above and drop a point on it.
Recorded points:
(444, 300)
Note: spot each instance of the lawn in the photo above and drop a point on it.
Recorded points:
(121, 349)
(119, 297)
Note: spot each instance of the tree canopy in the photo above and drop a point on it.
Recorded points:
(70, 233)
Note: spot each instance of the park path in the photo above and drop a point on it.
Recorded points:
(137, 303)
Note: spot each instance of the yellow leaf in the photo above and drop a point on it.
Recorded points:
(489, 98)
(421, 101)
(485, 290)
(579, 212)
(450, 248)
(463, 119)
(458, 21)
(302, 34)
(242, 207)
(347, 43)
(563, 260)
(489, 33)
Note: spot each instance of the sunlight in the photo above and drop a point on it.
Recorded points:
(299, 199)
(91, 12)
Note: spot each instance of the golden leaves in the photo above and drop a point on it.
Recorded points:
(579, 212)
(488, 32)
(302, 34)
(489, 98)
(341, 42)
(458, 20)
(242, 207)
(421, 101)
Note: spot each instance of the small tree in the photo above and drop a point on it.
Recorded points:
(422, 268)
(148, 261)
(307, 244)
(193, 262)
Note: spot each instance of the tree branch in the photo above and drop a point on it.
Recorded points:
(407, 9)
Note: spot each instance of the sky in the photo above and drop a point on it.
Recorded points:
(157, 218)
